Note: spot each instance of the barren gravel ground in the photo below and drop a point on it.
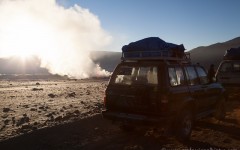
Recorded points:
(66, 115)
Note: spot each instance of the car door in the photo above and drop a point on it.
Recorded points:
(210, 91)
(195, 88)
(178, 87)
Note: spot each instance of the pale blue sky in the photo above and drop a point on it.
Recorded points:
(190, 22)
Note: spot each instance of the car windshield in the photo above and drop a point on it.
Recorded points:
(226, 67)
(236, 66)
(129, 75)
(233, 66)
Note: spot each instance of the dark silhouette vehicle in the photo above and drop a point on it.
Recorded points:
(228, 74)
(165, 92)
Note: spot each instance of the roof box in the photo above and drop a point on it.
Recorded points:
(152, 48)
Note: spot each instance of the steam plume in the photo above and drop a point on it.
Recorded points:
(61, 37)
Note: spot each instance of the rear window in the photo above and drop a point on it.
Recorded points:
(129, 75)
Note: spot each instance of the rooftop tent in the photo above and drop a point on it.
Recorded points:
(151, 44)
(152, 47)
(232, 54)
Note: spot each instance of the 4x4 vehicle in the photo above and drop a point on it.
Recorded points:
(161, 92)
(228, 72)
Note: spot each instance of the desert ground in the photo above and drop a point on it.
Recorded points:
(66, 114)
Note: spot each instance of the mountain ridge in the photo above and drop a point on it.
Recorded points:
(213, 54)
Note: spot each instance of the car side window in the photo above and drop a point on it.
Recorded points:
(191, 75)
(202, 75)
(176, 76)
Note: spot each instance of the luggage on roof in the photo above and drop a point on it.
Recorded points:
(232, 54)
(152, 47)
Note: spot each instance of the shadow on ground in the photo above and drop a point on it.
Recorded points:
(97, 133)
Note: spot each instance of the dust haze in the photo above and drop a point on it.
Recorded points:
(61, 37)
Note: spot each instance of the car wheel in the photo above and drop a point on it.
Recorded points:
(220, 110)
(185, 125)
(127, 128)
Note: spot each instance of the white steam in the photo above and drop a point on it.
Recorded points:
(61, 37)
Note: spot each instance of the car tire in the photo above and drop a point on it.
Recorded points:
(220, 109)
(127, 128)
(184, 126)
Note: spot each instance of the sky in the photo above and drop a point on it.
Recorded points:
(193, 23)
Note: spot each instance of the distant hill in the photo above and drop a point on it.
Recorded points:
(106, 59)
(213, 54)
(14, 68)
(15, 65)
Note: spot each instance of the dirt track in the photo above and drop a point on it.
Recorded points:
(81, 125)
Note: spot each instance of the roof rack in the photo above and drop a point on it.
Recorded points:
(156, 55)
